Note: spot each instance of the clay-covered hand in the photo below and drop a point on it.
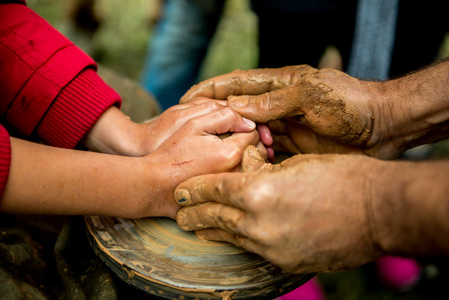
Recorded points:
(307, 214)
(322, 111)
(199, 146)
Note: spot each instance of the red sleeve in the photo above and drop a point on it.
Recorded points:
(43, 74)
(77, 108)
(5, 158)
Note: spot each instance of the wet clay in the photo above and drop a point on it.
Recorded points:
(155, 255)
(331, 111)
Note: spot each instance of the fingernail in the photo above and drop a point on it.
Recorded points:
(249, 122)
(181, 218)
(255, 155)
(238, 101)
(182, 197)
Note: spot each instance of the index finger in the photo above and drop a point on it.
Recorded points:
(220, 188)
(250, 82)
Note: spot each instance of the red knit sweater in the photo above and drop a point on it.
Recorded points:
(49, 88)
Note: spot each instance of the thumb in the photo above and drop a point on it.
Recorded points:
(270, 106)
(252, 160)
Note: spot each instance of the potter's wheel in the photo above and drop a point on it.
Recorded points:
(155, 255)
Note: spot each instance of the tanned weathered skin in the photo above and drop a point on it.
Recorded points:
(328, 212)
(321, 213)
(302, 97)
(328, 111)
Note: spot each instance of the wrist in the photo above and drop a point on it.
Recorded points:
(385, 114)
(408, 205)
(161, 180)
(382, 204)
(115, 133)
(413, 110)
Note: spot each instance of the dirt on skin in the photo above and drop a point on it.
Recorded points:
(330, 111)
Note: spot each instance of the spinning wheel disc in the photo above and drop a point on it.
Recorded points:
(155, 255)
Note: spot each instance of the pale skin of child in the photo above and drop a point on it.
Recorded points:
(329, 212)
(149, 160)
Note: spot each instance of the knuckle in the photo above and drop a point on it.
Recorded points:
(218, 190)
(234, 155)
(259, 196)
(171, 109)
(228, 221)
(192, 123)
(229, 112)
(239, 187)
(231, 156)
(212, 105)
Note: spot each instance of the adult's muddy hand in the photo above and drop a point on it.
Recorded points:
(302, 215)
(323, 111)
(317, 213)
(321, 213)
(320, 111)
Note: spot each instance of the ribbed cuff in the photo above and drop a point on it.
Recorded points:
(5, 158)
(73, 113)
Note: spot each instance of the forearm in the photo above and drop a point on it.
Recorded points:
(48, 180)
(410, 207)
(416, 109)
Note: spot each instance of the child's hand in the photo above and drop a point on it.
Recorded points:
(196, 148)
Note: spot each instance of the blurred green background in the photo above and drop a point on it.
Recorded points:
(126, 26)
(120, 43)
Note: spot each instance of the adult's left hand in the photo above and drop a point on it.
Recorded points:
(308, 214)
(315, 111)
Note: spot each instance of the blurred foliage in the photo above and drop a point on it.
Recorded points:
(125, 30)
(235, 43)
(121, 40)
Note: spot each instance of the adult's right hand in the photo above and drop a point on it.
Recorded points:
(310, 213)
(321, 213)
(316, 111)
